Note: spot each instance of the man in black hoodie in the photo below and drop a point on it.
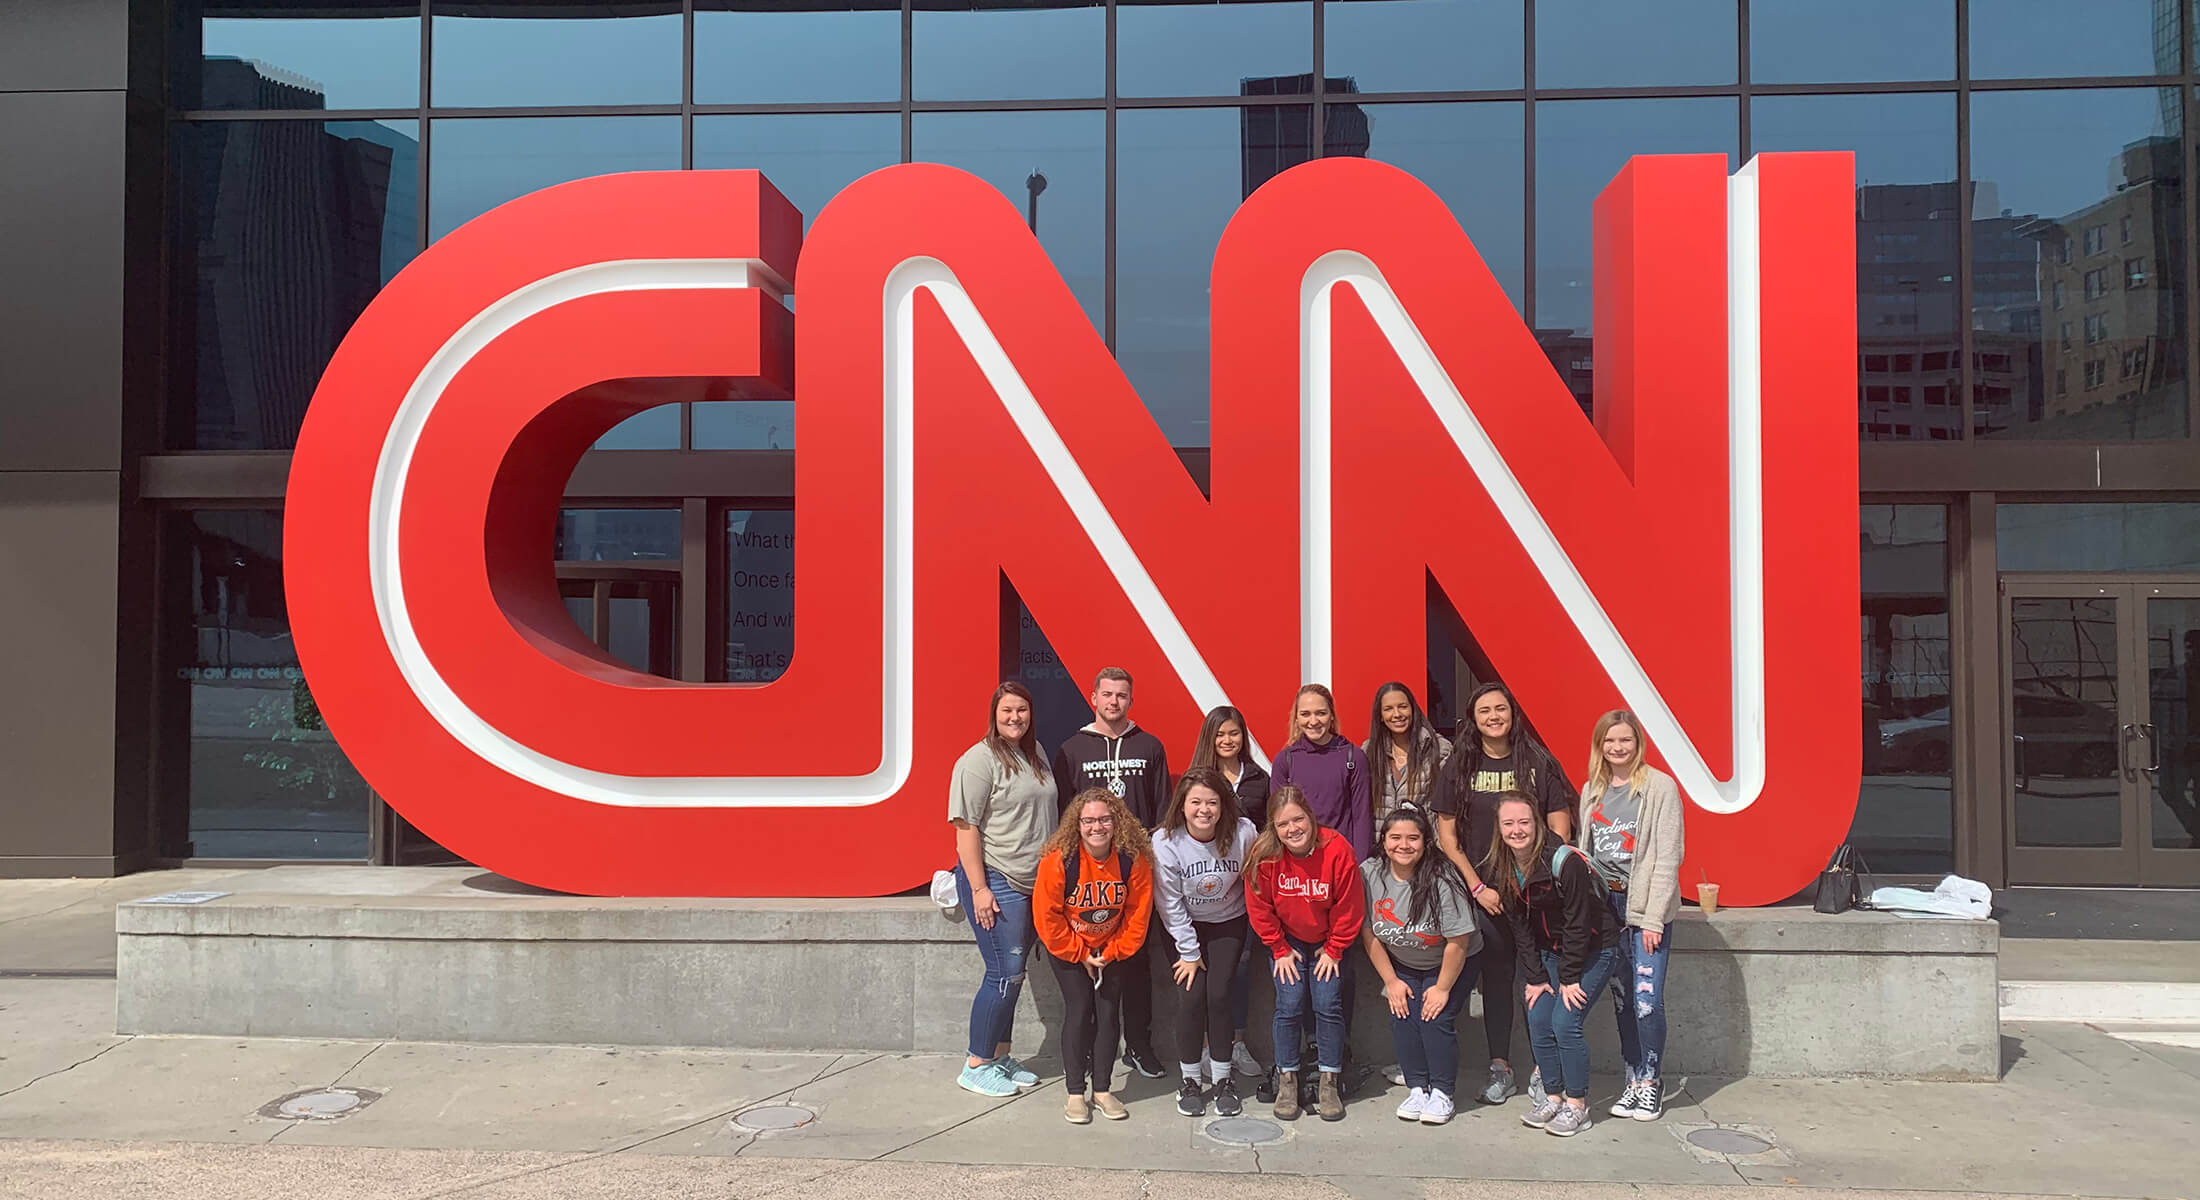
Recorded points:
(1115, 754)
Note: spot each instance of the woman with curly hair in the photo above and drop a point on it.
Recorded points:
(1092, 901)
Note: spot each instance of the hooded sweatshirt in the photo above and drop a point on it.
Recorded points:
(1565, 914)
(1252, 792)
(1198, 881)
(1106, 914)
(1318, 898)
(1334, 776)
(1133, 766)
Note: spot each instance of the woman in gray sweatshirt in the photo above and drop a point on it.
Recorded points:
(1198, 854)
(1631, 832)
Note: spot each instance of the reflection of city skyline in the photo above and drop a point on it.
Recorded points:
(294, 237)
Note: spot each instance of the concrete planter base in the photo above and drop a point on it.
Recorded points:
(454, 954)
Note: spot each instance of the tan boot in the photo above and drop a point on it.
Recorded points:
(1287, 1095)
(1329, 1104)
(1078, 1111)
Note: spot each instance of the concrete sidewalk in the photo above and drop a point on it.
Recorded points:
(2079, 1112)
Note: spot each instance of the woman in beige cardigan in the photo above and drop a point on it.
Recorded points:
(1631, 833)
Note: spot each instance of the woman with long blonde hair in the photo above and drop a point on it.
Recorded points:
(1631, 829)
(1091, 904)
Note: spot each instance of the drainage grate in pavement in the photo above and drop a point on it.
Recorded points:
(319, 1104)
(1245, 1131)
(767, 1117)
(1729, 1141)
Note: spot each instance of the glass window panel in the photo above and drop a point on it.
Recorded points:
(1180, 174)
(809, 158)
(1856, 41)
(1067, 149)
(275, 56)
(1009, 49)
(1469, 154)
(1213, 49)
(650, 429)
(777, 52)
(616, 534)
(1580, 146)
(1905, 812)
(2173, 706)
(759, 594)
(290, 228)
(1058, 702)
(1423, 45)
(482, 162)
(267, 779)
(1599, 43)
(2078, 251)
(2162, 536)
(497, 55)
(1908, 222)
(2036, 39)
(2063, 711)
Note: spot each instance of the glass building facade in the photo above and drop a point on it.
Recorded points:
(242, 178)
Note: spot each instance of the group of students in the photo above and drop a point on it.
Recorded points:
(1448, 866)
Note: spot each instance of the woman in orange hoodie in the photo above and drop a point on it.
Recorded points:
(1091, 903)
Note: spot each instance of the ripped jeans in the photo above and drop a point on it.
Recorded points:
(1638, 995)
(1004, 949)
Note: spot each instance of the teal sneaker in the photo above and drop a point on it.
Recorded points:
(986, 1079)
(1017, 1073)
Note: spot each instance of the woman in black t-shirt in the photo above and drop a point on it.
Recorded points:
(1496, 753)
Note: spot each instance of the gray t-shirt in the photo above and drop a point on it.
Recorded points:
(1419, 945)
(1014, 812)
(1612, 833)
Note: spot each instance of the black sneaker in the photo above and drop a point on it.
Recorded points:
(1227, 1101)
(1190, 1100)
(1649, 1101)
(1145, 1062)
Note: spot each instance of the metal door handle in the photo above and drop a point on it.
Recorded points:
(2024, 778)
(2123, 751)
(2154, 750)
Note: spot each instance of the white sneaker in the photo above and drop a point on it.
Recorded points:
(1395, 1073)
(1243, 1061)
(1436, 1109)
(1412, 1109)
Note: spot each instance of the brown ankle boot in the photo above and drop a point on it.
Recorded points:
(1287, 1095)
(1329, 1105)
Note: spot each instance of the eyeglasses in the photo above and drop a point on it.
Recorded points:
(1094, 822)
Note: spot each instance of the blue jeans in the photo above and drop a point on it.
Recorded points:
(1554, 1030)
(1638, 995)
(1004, 948)
(1428, 1051)
(1327, 997)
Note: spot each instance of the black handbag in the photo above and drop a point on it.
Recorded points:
(1839, 889)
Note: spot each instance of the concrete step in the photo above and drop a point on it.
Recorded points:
(2095, 1001)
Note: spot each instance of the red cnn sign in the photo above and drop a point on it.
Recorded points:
(1691, 555)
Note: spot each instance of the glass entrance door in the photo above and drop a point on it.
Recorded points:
(2098, 700)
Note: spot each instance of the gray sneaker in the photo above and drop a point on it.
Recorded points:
(1501, 1085)
(1568, 1122)
(1544, 1111)
(1535, 1084)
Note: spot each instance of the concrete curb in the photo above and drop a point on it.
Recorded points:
(2048, 1000)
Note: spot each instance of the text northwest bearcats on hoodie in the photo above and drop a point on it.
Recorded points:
(1133, 766)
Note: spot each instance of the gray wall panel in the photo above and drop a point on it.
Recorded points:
(61, 305)
(64, 45)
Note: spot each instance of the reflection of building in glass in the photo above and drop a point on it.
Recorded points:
(1909, 346)
(294, 237)
(2112, 315)
(1277, 138)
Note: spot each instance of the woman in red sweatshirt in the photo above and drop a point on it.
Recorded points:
(1091, 903)
(1304, 898)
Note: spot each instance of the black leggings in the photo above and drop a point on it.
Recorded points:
(1089, 1019)
(1203, 1014)
(1499, 992)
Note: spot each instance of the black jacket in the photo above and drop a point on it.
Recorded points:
(1252, 793)
(1135, 764)
(1567, 914)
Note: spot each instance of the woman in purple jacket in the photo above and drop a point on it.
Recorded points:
(1329, 769)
